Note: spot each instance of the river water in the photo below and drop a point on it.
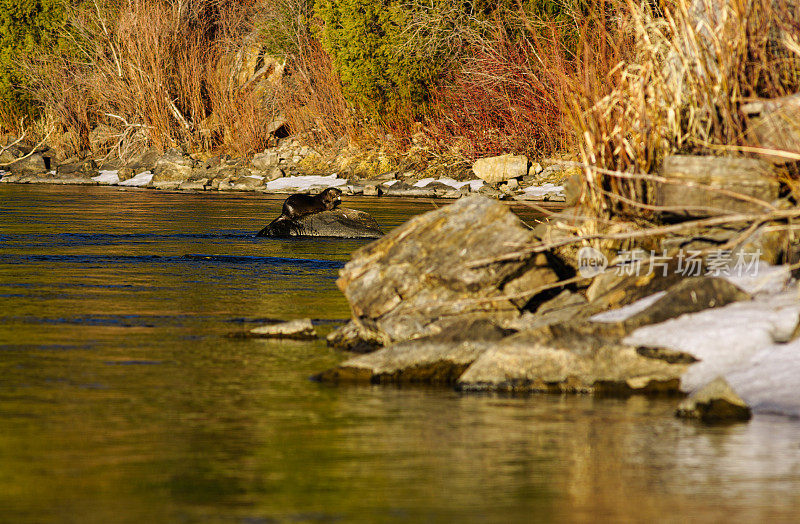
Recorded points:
(122, 399)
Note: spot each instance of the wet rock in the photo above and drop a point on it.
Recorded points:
(171, 170)
(350, 338)
(497, 169)
(294, 329)
(340, 223)
(436, 359)
(531, 361)
(438, 265)
(715, 402)
(753, 178)
(371, 190)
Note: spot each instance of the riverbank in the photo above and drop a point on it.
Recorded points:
(291, 167)
(467, 296)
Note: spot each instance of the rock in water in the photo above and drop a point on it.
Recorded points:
(296, 329)
(443, 264)
(339, 223)
(438, 359)
(715, 402)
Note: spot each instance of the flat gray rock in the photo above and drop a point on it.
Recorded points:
(530, 361)
(296, 329)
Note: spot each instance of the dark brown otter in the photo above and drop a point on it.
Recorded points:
(300, 205)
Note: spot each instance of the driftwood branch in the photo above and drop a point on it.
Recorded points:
(755, 219)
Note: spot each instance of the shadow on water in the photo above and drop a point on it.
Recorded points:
(122, 399)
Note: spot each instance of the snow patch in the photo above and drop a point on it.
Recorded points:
(107, 177)
(305, 182)
(389, 183)
(474, 185)
(544, 189)
(140, 180)
(744, 342)
(626, 312)
(424, 182)
(764, 278)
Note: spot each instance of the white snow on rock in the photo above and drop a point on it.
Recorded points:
(745, 342)
(107, 177)
(301, 183)
(544, 189)
(257, 177)
(763, 278)
(424, 182)
(474, 185)
(625, 312)
(140, 180)
(389, 183)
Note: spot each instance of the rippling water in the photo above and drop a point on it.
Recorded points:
(123, 400)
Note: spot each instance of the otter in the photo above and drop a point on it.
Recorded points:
(299, 205)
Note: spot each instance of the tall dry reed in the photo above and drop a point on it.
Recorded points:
(695, 63)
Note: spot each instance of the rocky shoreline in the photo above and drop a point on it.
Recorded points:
(457, 297)
(287, 168)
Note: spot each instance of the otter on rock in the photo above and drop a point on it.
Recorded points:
(300, 205)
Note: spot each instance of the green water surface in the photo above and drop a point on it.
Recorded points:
(122, 399)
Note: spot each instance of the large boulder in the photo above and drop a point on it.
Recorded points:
(456, 261)
(340, 223)
(496, 169)
(705, 185)
(141, 163)
(171, 170)
(30, 165)
(77, 169)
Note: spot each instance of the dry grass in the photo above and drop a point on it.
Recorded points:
(681, 91)
(156, 71)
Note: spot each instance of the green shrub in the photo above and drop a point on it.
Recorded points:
(389, 54)
(25, 26)
(364, 37)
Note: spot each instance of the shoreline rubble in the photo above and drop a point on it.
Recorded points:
(442, 300)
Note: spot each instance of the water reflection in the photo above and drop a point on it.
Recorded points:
(122, 400)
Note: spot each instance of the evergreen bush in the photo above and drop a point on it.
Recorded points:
(25, 26)
(363, 38)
